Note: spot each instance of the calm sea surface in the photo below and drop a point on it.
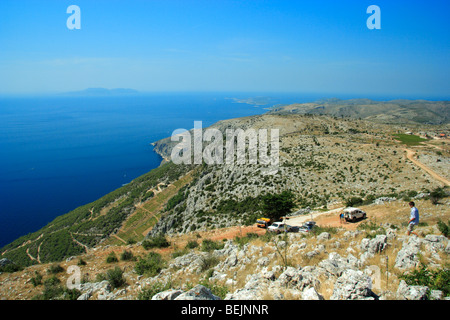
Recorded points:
(58, 153)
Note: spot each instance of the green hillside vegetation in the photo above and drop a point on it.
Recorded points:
(409, 139)
(70, 234)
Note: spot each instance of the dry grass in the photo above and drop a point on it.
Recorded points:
(18, 285)
(326, 288)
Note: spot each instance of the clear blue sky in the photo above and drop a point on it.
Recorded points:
(223, 45)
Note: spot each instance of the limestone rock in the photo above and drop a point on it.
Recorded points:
(311, 294)
(199, 292)
(323, 236)
(353, 285)
(407, 256)
(170, 294)
(412, 292)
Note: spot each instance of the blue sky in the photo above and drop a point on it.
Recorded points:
(223, 45)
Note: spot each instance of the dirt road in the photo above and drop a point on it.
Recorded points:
(410, 155)
(299, 220)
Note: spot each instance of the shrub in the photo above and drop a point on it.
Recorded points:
(71, 294)
(412, 193)
(152, 289)
(218, 290)
(111, 258)
(444, 228)
(127, 256)
(209, 245)
(81, 262)
(241, 241)
(55, 269)
(192, 244)
(208, 262)
(37, 279)
(277, 205)
(52, 290)
(433, 279)
(151, 265)
(52, 281)
(100, 277)
(354, 201)
(159, 241)
(115, 277)
(437, 194)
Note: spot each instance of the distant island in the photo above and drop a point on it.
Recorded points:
(102, 92)
(256, 101)
(393, 112)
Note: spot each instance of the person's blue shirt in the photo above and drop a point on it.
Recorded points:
(414, 215)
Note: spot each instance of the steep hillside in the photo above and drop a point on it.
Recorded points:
(323, 160)
(89, 225)
(369, 259)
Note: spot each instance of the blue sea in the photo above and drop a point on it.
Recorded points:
(60, 152)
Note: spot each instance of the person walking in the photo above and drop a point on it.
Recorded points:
(413, 219)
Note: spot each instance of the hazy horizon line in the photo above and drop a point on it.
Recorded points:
(134, 92)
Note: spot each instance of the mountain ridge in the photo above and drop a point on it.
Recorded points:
(399, 111)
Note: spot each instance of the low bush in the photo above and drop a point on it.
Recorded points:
(216, 289)
(148, 292)
(159, 241)
(111, 258)
(210, 245)
(353, 202)
(81, 262)
(437, 194)
(241, 241)
(151, 265)
(444, 228)
(127, 256)
(434, 279)
(52, 281)
(192, 244)
(115, 277)
(208, 262)
(55, 269)
(37, 279)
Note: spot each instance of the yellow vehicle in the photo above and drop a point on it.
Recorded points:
(263, 222)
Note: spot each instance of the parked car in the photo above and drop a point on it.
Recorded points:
(353, 214)
(279, 227)
(307, 226)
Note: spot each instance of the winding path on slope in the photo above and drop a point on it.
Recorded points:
(410, 155)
